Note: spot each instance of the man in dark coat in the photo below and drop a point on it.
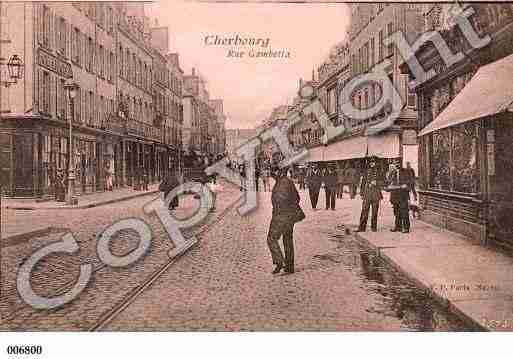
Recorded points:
(330, 186)
(169, 183)
(286, 212)
(398, 180)
(314, 182)
(370, 191)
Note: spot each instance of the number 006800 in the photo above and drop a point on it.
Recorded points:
(24, 350)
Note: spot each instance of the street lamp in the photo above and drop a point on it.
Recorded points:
(14, 69)
(71, 89)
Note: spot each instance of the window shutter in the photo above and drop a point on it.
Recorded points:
(38, 19)
(54, 31)
(40, 91)
(67, 37)
(53, 97)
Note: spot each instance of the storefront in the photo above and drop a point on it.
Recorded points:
(465, 123)
(34, 148)
(467, 155)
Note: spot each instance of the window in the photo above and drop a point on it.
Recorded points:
(45, 22)
(89, 55)
(112, 66)
(61, 36)
(110, 20)
(372, 55)
(101, 61)
(332, 100)
(120, 61)
(76, 46)
(454, 159)
(44, 92)
(390, 30)
(61, 100)
(78, 105)
(380, 46)
(90, 109)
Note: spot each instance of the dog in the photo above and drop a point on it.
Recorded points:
(414, 209)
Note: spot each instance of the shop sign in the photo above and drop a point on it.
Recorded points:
(490, 152)
(54, 64)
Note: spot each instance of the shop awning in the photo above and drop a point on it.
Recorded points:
(353, 147)
(384, 146)
(489, 92)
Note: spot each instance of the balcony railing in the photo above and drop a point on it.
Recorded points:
(142, 129)
(133, 127)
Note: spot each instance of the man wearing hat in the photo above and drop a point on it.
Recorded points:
(370, 191)
(398, 180)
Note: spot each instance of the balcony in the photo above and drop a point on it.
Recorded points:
(144, 130)
(133, 127)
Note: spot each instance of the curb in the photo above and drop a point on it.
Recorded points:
(91, 205)
(443, 301)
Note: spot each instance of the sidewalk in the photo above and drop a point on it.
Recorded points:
(472, 281)
(84, 201)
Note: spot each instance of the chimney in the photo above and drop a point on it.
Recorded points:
(313, 75)
(193, 71)
(300, 82)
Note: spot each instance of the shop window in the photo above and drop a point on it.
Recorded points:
(454, 159)
(464, 149)
(440, 160)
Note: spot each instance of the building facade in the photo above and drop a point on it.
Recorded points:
(105, 48)
(370, 25)
(204, 120)
(465, 113)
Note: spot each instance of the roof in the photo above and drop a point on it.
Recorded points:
(489, 92)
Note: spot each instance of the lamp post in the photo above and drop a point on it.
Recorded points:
(71, 90)
(14, 69)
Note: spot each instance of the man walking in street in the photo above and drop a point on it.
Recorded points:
(286, 212)
(370, 191)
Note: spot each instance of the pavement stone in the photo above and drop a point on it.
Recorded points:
(225, 284)
(473, 281)
(108, 285)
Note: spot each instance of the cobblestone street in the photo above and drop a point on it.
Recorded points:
(226, 284)
(108, 285)
(223, 283)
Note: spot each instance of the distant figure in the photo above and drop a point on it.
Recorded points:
(314, 181)
(330, 186)
(145, 179)
(60, 186)
(301, 178)
(242, 173)
(169, 183)
(286, 212)
(371, 196)
(108, 177)
(410, 177)
(352, 180)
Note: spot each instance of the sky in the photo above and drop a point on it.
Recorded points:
(251, 87)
